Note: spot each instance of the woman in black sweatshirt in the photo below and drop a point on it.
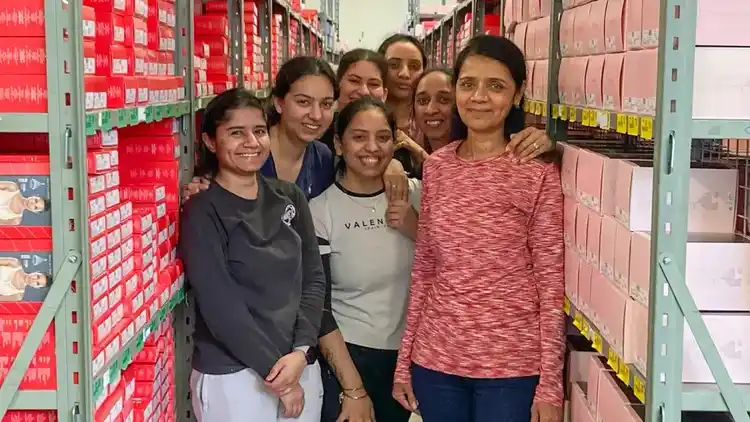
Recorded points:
(251, 258)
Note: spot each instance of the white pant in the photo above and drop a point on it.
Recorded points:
(242, 397)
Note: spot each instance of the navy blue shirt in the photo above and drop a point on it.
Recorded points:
(316, 173)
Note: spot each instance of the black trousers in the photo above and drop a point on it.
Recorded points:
(376, 367)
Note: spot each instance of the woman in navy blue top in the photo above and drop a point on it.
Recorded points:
(303, 96)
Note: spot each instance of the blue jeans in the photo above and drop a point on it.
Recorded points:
(450, 398)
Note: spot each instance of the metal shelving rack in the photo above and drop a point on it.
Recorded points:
(67, 304)
(674, 133)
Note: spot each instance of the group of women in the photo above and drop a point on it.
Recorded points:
(378, 242)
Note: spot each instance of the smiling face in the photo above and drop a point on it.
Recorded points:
(307, 110)
(433, 103)
(404, 67)
(361, 79)
(242, 143)
(485, 94)
(367, 144)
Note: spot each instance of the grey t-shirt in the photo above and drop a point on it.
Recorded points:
(370, 264)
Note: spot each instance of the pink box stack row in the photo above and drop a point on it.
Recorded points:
(608, 201)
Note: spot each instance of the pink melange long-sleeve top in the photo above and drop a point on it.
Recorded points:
(487, 287)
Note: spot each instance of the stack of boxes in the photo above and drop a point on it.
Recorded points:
(531, 19)
(212, 29)
(491, 26)
(595, 394)
(278, 55)
(129, 54)
(607, 221)
(295, 34)
(255, 73)
(610, 57)
(145, 390)
(26, 267)
(133, 208)
(23, 80)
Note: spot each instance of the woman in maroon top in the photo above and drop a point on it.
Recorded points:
(484, 329)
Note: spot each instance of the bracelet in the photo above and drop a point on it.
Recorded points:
(343, 396)
(351, 390)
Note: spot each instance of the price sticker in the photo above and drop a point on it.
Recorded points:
(544, 109)
(563, 112)
(647, 128)
(566, 305)
(90, 124)
(585, 117)
(634, 127)
(639, 388)
(144, 114)
(134, 116)
(555, 111)
(105, 120)
(123, 116)
(622, 123)
(604, 119)
(578, 321)
(585, 329)
(572, 115)
(158, 113)
(613, 360)
(170, 110)
(624, 372)
(596, 342)
(527, 106)
(113, 372)
(106, 378)
(98, 389)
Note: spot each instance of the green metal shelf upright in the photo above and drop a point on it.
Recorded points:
(674, 131)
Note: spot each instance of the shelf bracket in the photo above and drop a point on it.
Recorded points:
(60, 287)
(729, 393)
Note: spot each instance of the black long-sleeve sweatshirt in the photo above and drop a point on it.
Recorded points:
(255, 270)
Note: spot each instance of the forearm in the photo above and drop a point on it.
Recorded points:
(334, 350)
(552, 331)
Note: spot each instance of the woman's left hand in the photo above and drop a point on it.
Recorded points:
(396, 182)
(529, 144)
(545, 412)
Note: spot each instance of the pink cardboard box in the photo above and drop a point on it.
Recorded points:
(612, 81)
(614, 41)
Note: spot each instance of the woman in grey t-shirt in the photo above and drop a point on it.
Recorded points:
(367, 246)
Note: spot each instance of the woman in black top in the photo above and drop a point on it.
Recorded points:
(251, 258)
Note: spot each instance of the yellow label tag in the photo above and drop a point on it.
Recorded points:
(585, 117)
(647, 128)
(624, 373)
(596, 342)
(634, 126)
(585, 329)
(563, 112)
(526, 106)
(639, 388)
(613, 360)
(544, 109)
(578, 321)
(566, 305)
(538, 109)
(622, 123)
(572, 115)
(555, 111)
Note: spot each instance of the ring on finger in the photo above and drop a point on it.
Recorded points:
(536, 146)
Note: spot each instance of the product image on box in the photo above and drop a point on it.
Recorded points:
(24, 197)
(25, 270)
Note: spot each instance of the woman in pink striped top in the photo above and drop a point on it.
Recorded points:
(484, 334)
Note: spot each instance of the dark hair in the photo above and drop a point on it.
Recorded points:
(294, 70)
(347, 114)
(397, 38)
(506, 52)
(357, 55)
(216, 113)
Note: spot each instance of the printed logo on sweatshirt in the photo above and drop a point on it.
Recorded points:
(289, 213)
